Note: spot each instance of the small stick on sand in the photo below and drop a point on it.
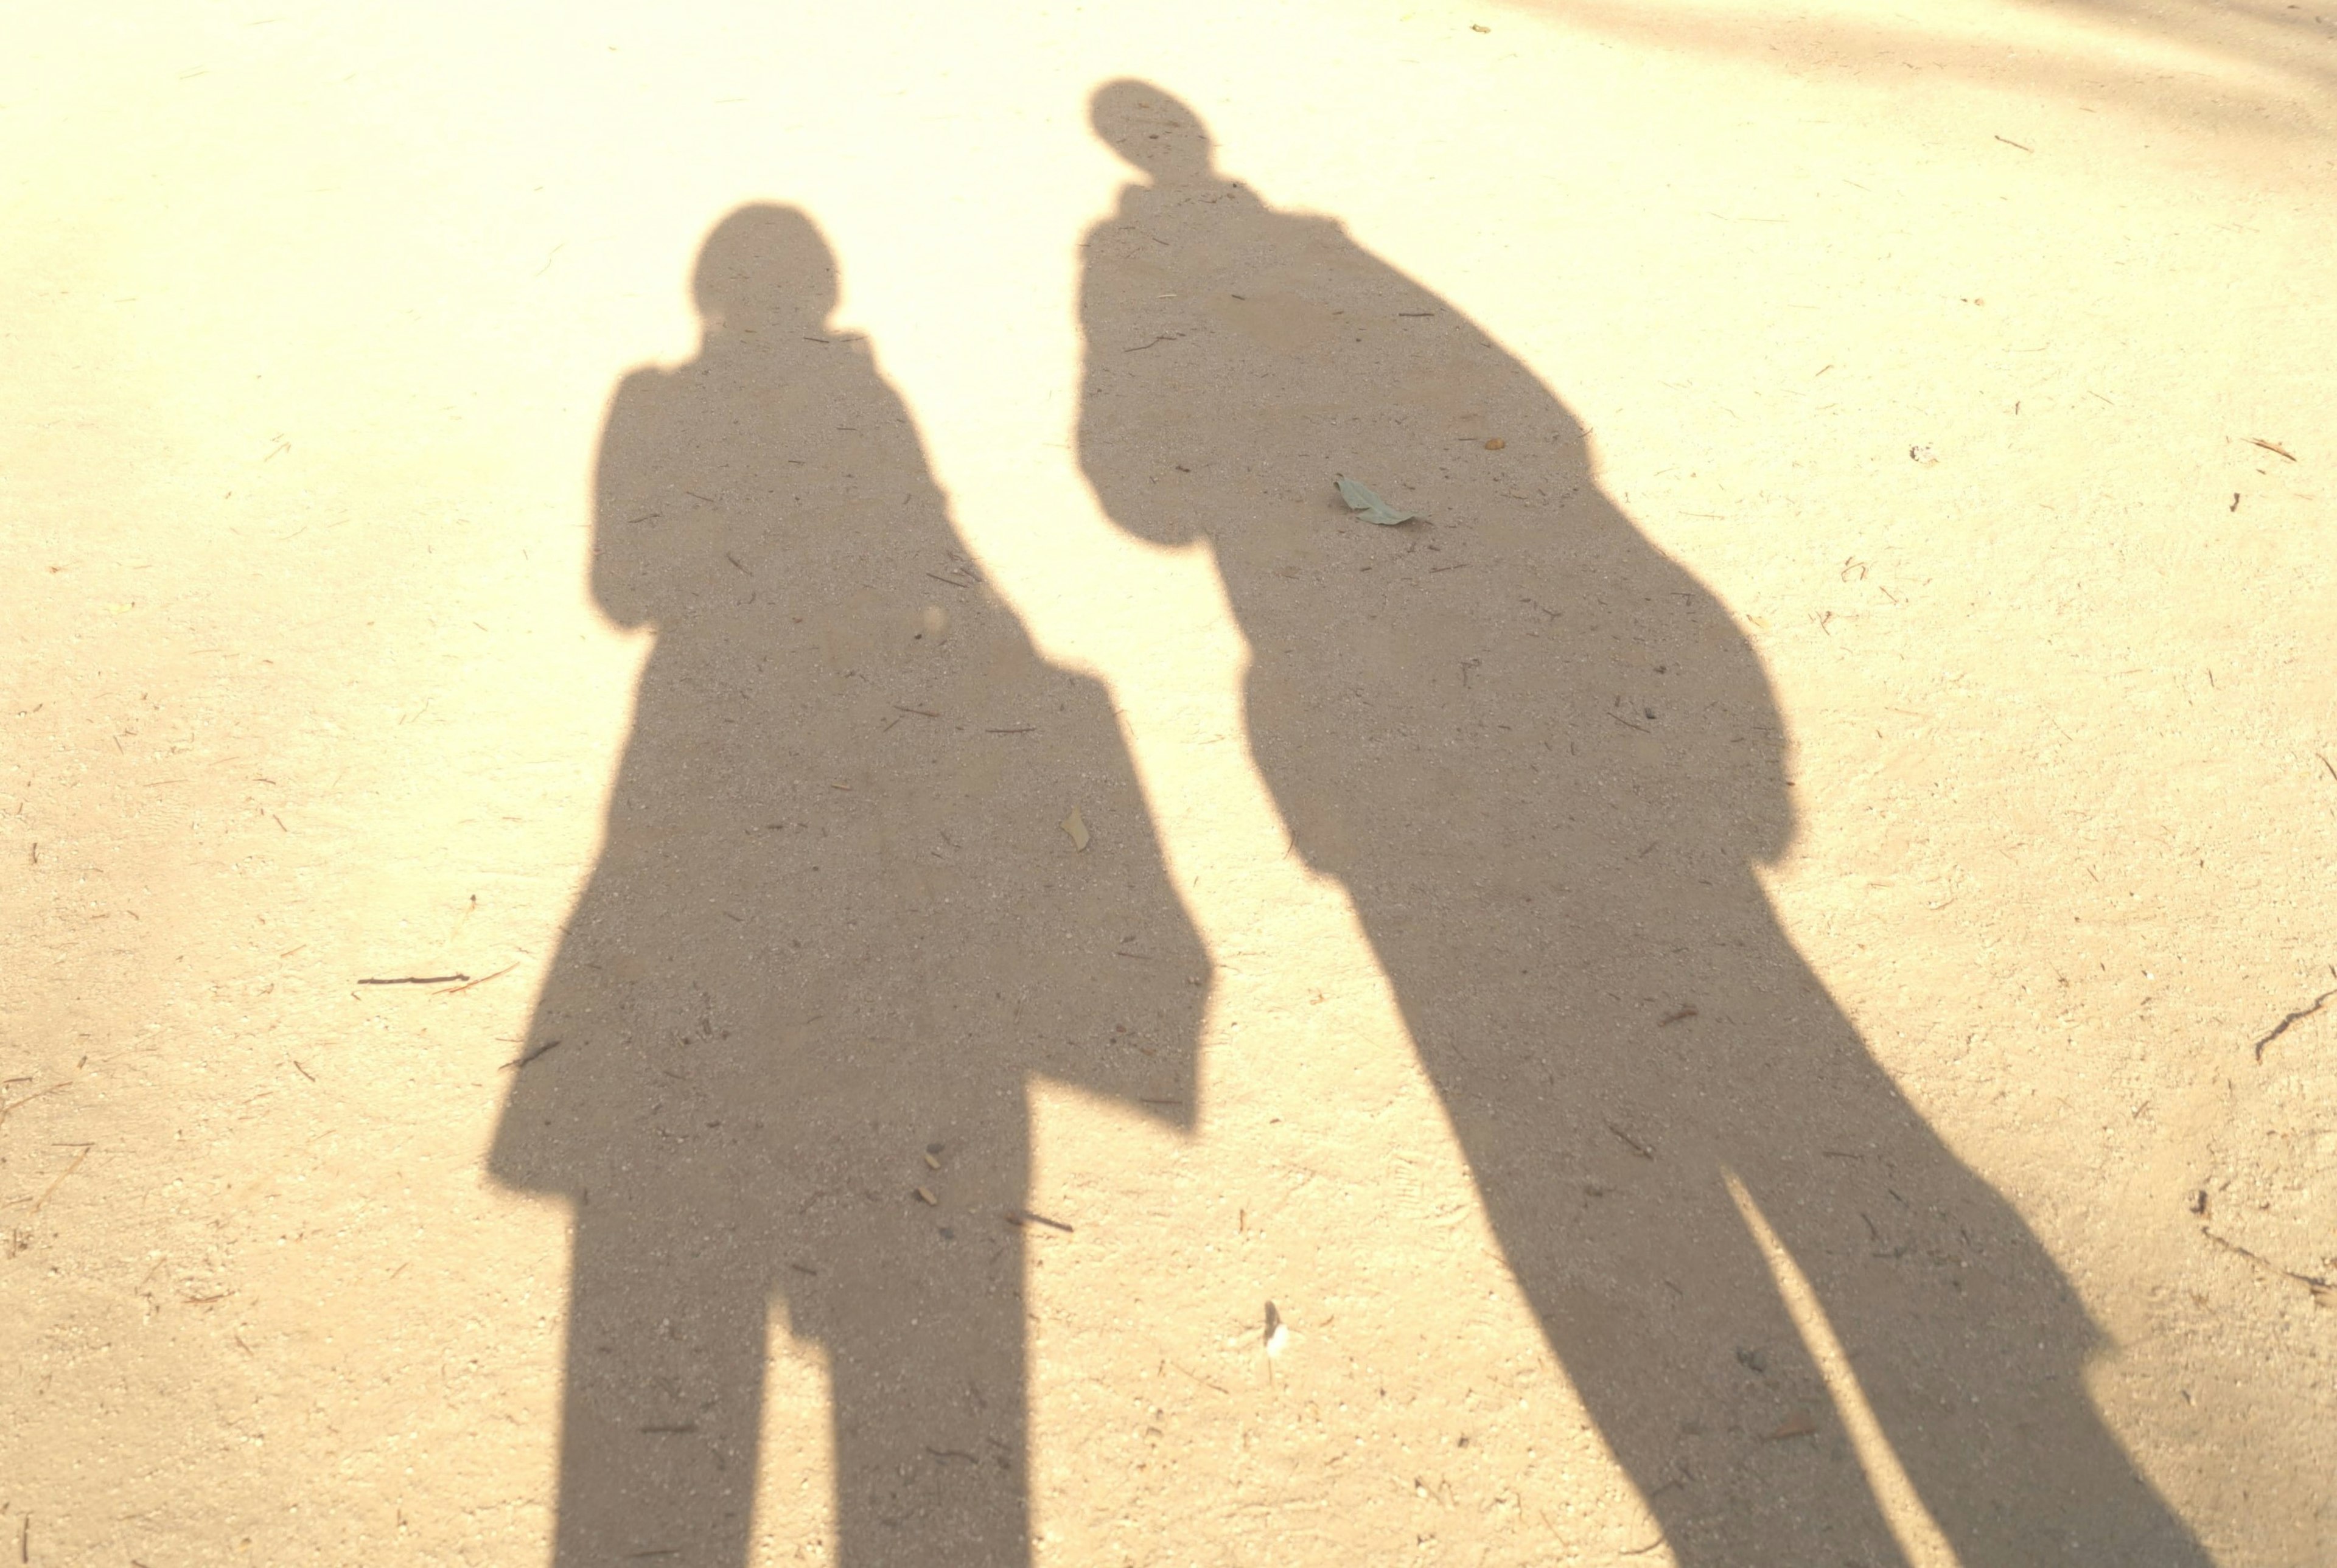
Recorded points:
(481, 980)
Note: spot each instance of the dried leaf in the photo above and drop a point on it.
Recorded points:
(1359, 496)
(1076, 825)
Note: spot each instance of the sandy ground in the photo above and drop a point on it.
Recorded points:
(1965, 371)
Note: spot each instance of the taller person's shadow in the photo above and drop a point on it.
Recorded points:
(1544, 763)
(837, 927)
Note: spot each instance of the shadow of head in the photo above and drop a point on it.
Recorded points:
(764, 267)
(1154, 129)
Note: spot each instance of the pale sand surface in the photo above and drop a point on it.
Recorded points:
(1970, 365)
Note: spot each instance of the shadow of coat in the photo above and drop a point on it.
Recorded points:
(835, 930)
(1543, 761)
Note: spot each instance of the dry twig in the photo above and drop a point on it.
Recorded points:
(2293, 1019)
(483, 979)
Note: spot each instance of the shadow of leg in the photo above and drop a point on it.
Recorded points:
(660, 1414)
(1969, 1345)
(931, 1448)
(1663, 1314)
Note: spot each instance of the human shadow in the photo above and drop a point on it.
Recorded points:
(837, 927)
(1543, 762)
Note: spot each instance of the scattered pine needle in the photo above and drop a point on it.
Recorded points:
(481, 980)
(7, 1105)
(60, 1181)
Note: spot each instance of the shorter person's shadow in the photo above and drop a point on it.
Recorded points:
(871, 865)
(1544, 762)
